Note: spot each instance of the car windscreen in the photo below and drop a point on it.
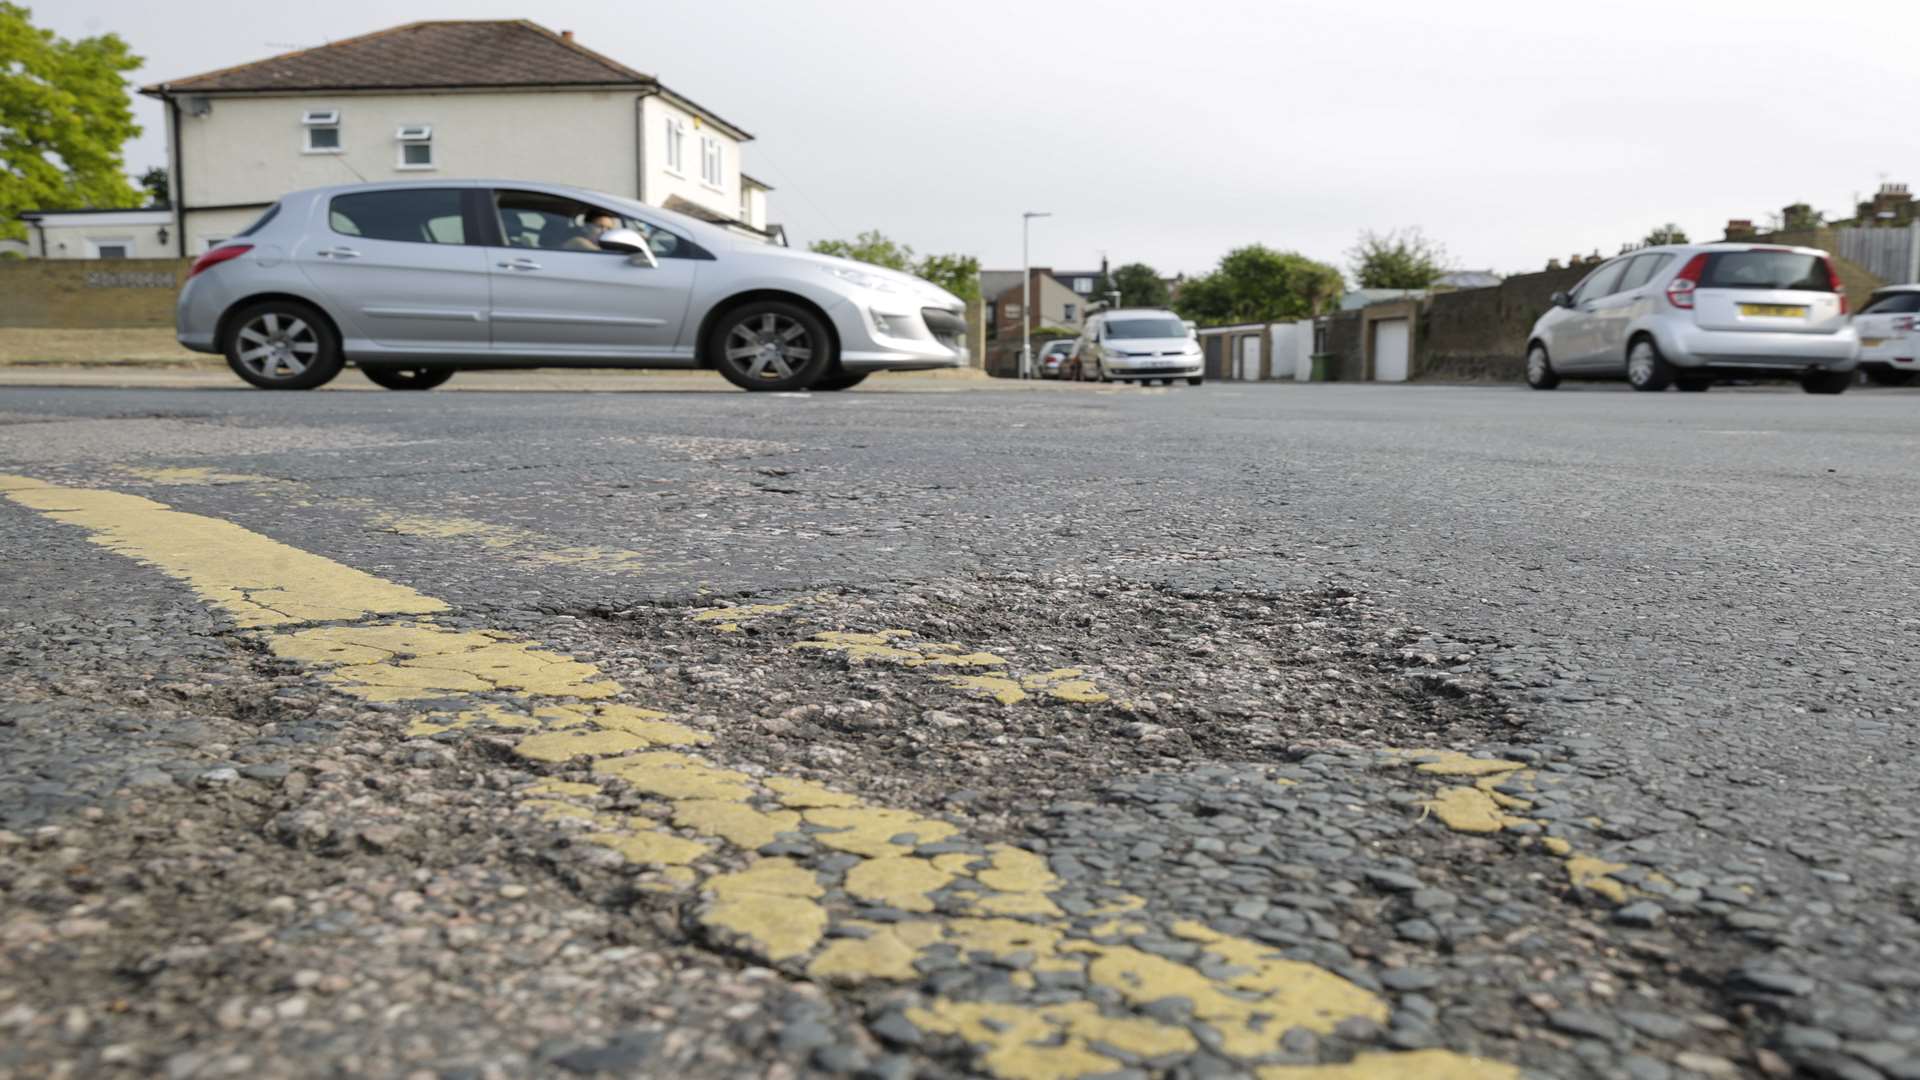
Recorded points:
(1146, 328)
(1766, 270)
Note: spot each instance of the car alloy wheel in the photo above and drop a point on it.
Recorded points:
(277, 347)
(772, 345)
(1646, 368)
(1540, 373)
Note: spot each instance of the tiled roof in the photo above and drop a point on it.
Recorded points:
(423, 55)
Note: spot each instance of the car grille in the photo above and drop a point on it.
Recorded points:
(947, 328)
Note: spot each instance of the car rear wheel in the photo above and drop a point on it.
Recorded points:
(771, 345)
(283, 345)
(1646, 368)
(406, 378)
(1540, 373)
(841, 380)
(1886, 376)
(1826, 382)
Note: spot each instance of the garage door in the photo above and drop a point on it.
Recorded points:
(1249, 358)
(1390, 342)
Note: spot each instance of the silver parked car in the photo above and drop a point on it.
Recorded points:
(415, 281)
(1687, 314)
(1889, 329)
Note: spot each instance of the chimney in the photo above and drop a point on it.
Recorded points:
(566, 35)
(1741, 229)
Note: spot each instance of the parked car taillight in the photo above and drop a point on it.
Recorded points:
(1903, 322)
(217, 256)
(1680, 289)
(1833, 278)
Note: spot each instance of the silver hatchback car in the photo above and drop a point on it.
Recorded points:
(412, 282)
(1687, 314)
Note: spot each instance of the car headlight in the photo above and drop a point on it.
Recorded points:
(869, 282)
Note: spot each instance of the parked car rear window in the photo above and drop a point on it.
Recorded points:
(1766, 270)
(1899, 303)
(272, 212)
(412, 215)
(1146, 328)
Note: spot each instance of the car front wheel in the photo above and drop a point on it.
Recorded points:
(1646, 368)
(406, 378)
(283, 345)
(1195, 380)
(1886, 376)
(1540, 373)
(771, 345)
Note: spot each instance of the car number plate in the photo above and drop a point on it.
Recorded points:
(1776, 311)
(1870, 342)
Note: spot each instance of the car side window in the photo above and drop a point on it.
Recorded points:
(1900, 303)
(1643, 270)
(409, 215)
(535, 219)
(1603, 282)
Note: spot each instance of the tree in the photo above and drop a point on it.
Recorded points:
(1140, 286)
(1400, 259)
(1669, 233)
(871, 246)
(154, 180)
(64, 116)
(1800, 217)
(1259, 284)
(958, 274)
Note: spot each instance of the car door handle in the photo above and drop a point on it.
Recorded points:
(337, 253)
(518, 264)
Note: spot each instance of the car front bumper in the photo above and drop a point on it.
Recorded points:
(863, 348)
(1160, 367)
(1697, 348)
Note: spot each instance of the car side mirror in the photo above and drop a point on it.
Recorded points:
(628, 242)
(1562, 299)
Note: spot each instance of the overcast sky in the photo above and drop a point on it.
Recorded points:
(1170, 133)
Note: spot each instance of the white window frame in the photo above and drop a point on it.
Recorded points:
(413, 135)
(317, 120)
(713, 163)
(677, 146)
(95, 243)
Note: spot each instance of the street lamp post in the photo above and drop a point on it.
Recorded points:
(1026, 293)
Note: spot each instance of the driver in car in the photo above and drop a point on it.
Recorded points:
(598, 222)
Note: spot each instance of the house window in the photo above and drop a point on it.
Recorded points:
(746, 206)
(111, 249)
(1067, 311)
(323, 130)
(710, 162)
(1083, 286)
(676, 146)
(416, 147)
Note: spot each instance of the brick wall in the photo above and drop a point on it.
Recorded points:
(1478, 334)
(89, 294)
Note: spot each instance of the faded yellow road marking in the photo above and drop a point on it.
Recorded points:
(1482, 809)
(903, 648)
(773, 908)
(194, 477)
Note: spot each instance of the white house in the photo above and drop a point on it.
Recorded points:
(98, 234)
(456, 99)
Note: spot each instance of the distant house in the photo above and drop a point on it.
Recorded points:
(462, 99)
(98, 234)
(1054, 307)
(1467, 279)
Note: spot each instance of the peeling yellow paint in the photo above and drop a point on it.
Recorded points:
(1454, 763)
(731, 615)
(1487, 784)
(885, 953)
(1468, 810)
(193, 476)
(736, 823)
(1021, 881)
(569, 743)
(1587, 872)
(419, 660)
(805, 794)
(769, 907)
(648, 724)
(869, 830)
(650, 846)
(978, 659)
(1425, 1064)
(522, 543)
(676, 776)
(1051, 1042)
(1556, 845)
(900, 881)
(998, 687)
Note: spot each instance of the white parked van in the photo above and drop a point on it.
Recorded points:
(1141, 345)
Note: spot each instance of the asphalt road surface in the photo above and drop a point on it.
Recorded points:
(1316, 732)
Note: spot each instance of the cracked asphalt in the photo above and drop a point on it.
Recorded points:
(1318, 732)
